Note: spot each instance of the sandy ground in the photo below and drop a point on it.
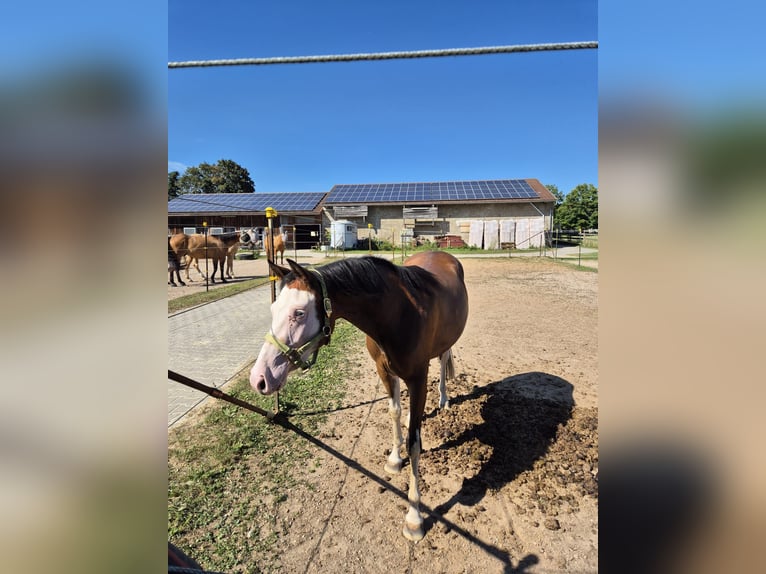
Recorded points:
(508, 474)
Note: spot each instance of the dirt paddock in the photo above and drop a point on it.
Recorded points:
(509, 473)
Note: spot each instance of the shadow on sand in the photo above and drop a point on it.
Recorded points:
(519, 419)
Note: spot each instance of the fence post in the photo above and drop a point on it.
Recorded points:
(271, 213)
(207, 272)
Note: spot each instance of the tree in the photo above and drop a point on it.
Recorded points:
(174, 190)
(554, 189)
(226, 176)
(579, 210)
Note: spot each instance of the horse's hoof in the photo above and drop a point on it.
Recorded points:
(182, 283)
(413, 533)
(393, 468)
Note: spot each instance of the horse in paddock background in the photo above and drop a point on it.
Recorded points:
(279, 244)
(410, 314)
(174, 266)
(191, 248)
(230, 260)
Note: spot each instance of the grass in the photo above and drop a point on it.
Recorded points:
(583, 256)
(229, 472)
(591, 242)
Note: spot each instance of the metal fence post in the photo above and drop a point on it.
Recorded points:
(271, 213)
(207, 271)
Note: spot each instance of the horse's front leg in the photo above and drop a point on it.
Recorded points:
(413, 521)
(391, 383)
(394, 462)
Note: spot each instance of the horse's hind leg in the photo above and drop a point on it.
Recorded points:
(447, 372)
(186, 264)
(413, 521)
(391, 383)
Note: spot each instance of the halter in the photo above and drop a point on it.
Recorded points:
(293, 354)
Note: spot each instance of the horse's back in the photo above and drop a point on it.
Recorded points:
(449, 310)
(447, 268)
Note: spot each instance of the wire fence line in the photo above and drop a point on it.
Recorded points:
(402, 55)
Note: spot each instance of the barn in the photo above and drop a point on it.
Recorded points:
(299, 214)
(488, 214)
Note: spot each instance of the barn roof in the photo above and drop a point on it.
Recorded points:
(245, 202)
(425, 193)
(480, 191)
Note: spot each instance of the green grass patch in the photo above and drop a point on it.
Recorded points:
(583, 256)
(573, 263)
(229, 472)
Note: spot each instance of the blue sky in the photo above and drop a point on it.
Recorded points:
(308, 127)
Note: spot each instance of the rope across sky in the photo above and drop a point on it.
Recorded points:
(387, 55)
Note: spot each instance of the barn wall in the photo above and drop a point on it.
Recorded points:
(453, 219)
(176, 223)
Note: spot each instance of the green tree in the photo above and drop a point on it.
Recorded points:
(174, 189)
(554, 189)
(225, 176)
(579, 210)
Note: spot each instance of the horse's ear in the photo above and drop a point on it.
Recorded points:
(278, 271)
(297, 269)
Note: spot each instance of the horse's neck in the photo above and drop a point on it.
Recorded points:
(370, 312)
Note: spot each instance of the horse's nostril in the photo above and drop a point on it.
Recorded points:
(260, 386)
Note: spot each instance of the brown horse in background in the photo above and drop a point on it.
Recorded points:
(410, 314)
(192, 248)
(279, 244)
(230, 260)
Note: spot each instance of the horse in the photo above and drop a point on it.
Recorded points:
(230, 260)
(279, 244)
(174, 265)
(217, 249)
(410, 314)
(192, 248)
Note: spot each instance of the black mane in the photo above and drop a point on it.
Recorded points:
(372, 276)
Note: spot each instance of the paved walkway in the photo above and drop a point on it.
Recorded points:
(213, 342)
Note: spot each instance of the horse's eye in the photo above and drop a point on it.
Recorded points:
(299, 314)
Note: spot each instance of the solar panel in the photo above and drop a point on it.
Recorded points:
(432, 191)
(225, 202)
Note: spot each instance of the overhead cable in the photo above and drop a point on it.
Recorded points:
(387, 55)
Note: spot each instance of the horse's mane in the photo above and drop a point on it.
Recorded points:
(372, 275)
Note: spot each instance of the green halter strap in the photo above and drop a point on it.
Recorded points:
(294, 355)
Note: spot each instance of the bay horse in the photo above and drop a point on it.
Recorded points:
(410, 314)
(192, 248)
(279, 244)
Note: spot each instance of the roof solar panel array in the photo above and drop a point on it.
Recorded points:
(436, 191)
(223, 202)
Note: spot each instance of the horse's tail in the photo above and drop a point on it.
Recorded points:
(449, 365)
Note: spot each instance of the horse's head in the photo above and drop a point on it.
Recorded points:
(299, 326)
(247, 236)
